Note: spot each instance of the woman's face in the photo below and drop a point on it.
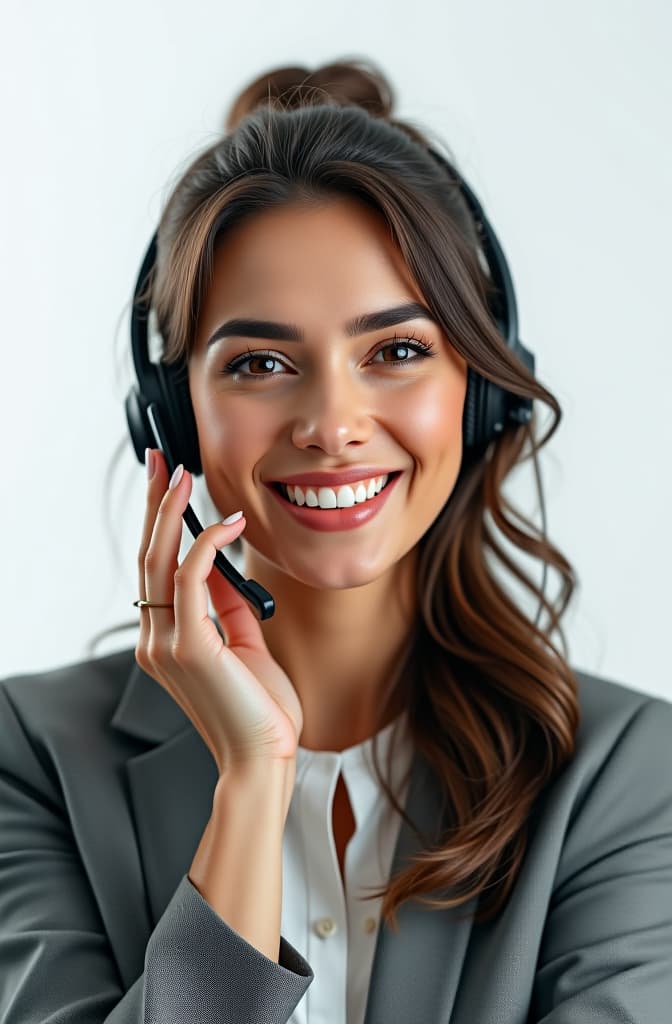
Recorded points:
(334, 400)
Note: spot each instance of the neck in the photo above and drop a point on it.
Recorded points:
(343, 649)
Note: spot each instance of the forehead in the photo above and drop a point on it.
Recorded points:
(339, 251)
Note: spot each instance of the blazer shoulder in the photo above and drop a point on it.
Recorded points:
(88, 690)
(608, 705)
(622, 733)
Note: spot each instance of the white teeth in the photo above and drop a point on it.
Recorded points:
(341, 497)
(327, 498)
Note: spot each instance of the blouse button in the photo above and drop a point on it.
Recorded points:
(326, 927)
(370, 925)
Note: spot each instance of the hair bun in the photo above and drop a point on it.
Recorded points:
(348, 81)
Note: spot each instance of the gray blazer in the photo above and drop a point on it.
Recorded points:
(106, 787)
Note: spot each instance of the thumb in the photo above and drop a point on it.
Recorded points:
(240, 624)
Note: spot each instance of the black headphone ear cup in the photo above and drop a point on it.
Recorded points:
(479, 401)
(138, 423)
(469, 431)
(181, 423)
(495, 400)
(484, 411)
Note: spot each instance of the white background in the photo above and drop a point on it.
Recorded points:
(557, 113)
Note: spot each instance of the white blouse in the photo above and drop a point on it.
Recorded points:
(335, 930)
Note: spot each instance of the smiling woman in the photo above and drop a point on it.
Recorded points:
(326, 403)
(186, 824)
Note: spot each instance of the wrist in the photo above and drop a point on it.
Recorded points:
(265, 779)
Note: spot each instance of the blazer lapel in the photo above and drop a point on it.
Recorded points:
(416, 970)
(170, 785)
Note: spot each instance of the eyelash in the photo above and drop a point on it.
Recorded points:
(410, 340)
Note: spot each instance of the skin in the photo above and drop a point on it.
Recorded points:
(344, 600)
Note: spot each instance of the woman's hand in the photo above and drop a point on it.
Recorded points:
(238, 698)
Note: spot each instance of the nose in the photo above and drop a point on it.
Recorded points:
(332, 412)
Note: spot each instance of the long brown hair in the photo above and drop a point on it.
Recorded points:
(492, 702)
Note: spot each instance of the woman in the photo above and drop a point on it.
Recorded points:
(199, 829)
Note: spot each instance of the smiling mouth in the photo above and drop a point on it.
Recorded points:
(281, 489)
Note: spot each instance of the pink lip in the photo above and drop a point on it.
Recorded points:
(335, 479)
(333, 519)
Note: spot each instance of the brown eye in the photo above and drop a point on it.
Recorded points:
(402, 348)
(263, 361)
(266, 363)
(397, 348)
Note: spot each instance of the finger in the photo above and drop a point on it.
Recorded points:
(193, 626)
(156, 488)
(164, 545)
(240, 624)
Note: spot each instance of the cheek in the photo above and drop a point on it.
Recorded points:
(431, 419)
(229, 426)
(232, 440)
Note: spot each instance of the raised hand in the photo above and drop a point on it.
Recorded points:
(237, 696)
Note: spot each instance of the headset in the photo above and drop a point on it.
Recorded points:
(159, 412)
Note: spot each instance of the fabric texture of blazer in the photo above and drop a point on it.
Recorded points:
(106, 787)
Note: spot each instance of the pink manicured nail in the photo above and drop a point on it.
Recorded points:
(150, 463)
(176, 477)
(232, 519)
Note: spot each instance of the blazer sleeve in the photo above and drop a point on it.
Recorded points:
(606, 952)
(56, 963)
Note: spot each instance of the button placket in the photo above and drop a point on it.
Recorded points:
(327, 911)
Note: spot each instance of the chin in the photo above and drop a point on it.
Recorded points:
(339, 580)
(326, 572)
(333, 574)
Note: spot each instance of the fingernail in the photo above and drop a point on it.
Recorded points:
(149, 463)
(232, 519)
(176, 477)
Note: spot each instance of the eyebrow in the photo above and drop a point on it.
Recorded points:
(269, 329)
